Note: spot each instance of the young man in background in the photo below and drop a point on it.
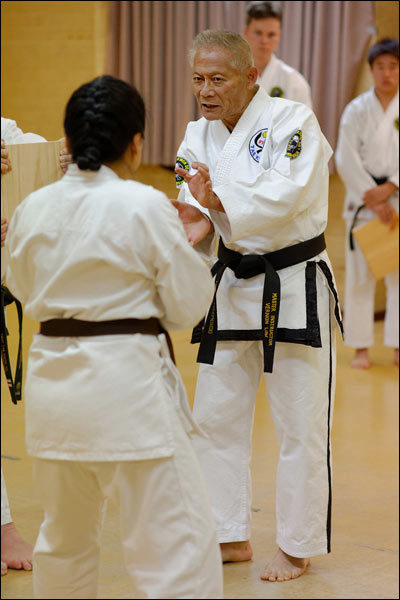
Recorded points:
(263, 32)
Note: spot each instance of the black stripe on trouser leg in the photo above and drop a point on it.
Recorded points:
(329, 515)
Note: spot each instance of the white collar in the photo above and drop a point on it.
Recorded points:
(103, 174)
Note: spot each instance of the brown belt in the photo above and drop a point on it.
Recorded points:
(78, 328)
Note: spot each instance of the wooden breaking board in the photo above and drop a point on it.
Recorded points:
(380, 246)
(33, 166)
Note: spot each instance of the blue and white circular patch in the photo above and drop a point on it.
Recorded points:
(256, 144)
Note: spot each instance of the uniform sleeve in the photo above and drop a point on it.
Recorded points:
(395, 178)
(290, 184)
(183, 281)
(9, 131)
(12, 134)
(347, 156)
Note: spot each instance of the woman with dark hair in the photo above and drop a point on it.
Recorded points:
(102, 262)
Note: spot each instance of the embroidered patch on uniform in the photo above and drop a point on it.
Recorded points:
(276, 92)
(256, 144)
(396, 123)
(294, 146)
(183, 163)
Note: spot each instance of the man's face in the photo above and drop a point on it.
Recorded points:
(263, 36)
(385, 73)
(220, 89)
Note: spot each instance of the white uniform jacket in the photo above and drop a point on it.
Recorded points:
(12, 134)
(368, 145)
(280, 80)
(94, 247)
(271, 175)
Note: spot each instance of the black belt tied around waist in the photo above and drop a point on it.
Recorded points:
(247, 266)
(78, 328)
(378, 181)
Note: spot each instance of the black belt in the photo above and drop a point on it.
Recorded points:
(14, 383)
(78, 328)
(245, 267)
(378, 181)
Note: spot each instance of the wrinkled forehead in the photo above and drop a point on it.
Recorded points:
(214, 59)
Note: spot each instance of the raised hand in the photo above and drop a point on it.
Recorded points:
(195, 223)
(65, 159)
(4, 228)
(200, 186)
(5, 162)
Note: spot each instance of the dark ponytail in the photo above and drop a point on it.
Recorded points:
(101, 118)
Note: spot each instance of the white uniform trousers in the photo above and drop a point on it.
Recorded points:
(5, 507)
(300, 392)
(359, 299)
(167, 528)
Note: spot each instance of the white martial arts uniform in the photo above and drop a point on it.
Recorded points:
(271, 201)
(108, 414)
(368, 145)
(281, 80)
(11, 134)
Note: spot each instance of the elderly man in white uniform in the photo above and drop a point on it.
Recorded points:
(101, 261)
(367, 159)
(256, 175)
(15, 552)
(263, 32)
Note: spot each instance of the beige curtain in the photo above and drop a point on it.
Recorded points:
(148, 44)
(148, 47)
(327, 42)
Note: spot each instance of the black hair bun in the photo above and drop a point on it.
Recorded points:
(90, 159)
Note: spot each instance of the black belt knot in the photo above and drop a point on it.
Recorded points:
(245, 267)
(248, 265)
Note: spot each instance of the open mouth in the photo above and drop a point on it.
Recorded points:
(209, 106)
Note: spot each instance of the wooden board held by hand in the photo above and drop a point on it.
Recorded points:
(380, 246)
(32, 167)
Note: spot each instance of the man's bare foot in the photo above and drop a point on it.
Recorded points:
(236, 551)
(361, 359)
(396, 357)
(3, 568)
(284, 567)
(15, 552)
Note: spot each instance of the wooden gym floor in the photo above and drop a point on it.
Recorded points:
(364, 558)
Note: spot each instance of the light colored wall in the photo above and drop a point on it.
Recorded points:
(387, 25)
(387, 19)
(48, 50)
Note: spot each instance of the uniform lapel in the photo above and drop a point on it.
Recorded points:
(383, 133)
(240, 134)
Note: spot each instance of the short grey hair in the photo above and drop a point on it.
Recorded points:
(242, 57)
